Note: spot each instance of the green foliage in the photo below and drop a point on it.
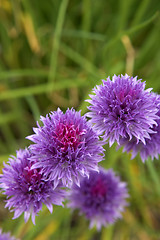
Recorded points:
(52, 53)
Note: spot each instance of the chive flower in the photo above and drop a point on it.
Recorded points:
(65, 147)
(26, 188)
(101, 198)
(6, 236)
(151, 148)
(122, 108)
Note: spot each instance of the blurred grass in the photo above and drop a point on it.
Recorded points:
(51, 55)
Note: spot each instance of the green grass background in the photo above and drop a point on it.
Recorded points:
(52, 53)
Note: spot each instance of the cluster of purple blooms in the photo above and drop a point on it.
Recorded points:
(62, 162)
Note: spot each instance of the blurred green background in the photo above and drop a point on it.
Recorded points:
(52, 53)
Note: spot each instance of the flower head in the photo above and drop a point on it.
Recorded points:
(66, 147)
(6, 236)
(101, 198)
(151, 148)
(28, 188)
(122, 108)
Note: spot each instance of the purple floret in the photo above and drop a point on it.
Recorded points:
(151, 148)
(122, 108)
(101, 198)
(66, 147)
(6, 236)
(26, 188)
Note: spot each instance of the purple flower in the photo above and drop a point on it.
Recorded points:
(122, 108)
(6, 236)
(28, 188)
(151, 148)
(66, 147)
(101, 198)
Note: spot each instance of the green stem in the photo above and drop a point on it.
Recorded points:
(154, 175)
(56, 41)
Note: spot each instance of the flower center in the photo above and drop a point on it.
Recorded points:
(126, 92)
(124, 98)
(99, 188)
(32, 178)
(68, 136)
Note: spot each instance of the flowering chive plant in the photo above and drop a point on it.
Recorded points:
(6, 236)
(101, 198)
(28, 188)
(66, 147)
(66, 150)
(122, 108)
